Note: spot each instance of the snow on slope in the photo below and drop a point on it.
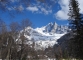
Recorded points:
(46, 35)
(44, 39)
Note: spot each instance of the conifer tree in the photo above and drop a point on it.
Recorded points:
(76, 24)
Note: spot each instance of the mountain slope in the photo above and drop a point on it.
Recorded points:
(46, 35)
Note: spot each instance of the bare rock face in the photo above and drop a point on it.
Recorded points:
(53, 28)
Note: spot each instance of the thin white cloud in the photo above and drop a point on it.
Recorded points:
(33, 9)
(14, 1)
(21, 8)
(46, 11)
(63, 13)
(9, 9)
(39, 9)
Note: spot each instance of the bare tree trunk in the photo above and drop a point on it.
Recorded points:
(8, 55)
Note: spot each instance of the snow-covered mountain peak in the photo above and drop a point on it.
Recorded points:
(53, 28)
(49, 24)
(46, 35)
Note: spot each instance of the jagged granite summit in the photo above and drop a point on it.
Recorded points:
(55, 28)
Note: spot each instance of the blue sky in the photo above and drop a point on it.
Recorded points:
(40, 15)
